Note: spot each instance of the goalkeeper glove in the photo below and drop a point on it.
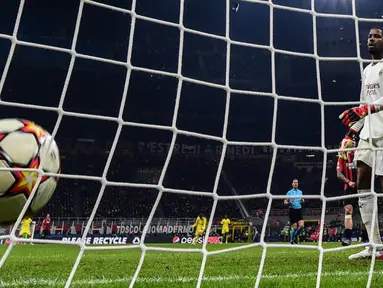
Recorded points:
(352, 115)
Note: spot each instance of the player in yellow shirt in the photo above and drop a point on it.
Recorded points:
(200, 226)
(225, 228)
(25, 231)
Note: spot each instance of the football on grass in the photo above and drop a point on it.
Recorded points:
(24, 144)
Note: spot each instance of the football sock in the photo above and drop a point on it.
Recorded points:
(297, 232)
(366, 206)
(347, 233)
(364, 236)
(292, 234)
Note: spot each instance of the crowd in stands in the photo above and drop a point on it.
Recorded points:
(240, 176)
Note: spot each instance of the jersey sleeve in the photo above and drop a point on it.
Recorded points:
(358, 125)
(203, 223)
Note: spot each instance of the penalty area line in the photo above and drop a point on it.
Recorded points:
(104, 281)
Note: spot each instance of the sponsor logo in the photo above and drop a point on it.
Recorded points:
(189, 240)
(154, 229)
(214, 240)
(176, 239)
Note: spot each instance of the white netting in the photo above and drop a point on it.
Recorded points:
(173, 128)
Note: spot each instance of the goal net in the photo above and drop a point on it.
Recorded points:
(275, 78)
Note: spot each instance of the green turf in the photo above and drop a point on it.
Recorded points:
(50, 266)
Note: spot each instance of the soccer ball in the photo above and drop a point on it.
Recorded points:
(23, 144)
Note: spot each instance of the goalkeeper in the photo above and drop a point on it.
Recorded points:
(346, 172)
(368, 119)
(199, 226)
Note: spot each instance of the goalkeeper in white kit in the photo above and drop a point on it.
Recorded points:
(369, 127)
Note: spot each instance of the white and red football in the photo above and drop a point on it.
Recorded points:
(23, 144)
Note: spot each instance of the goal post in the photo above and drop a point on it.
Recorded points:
(172, 127)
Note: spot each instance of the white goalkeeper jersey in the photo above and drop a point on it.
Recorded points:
(372, 93)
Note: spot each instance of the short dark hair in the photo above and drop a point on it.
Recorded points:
(295, 179)
(378, 28)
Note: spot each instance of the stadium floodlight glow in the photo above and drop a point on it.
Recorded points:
(174, 129)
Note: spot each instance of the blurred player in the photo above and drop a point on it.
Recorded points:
(46, 227)
(200, 226)
(346, 172)
(25, 231)
(370, 128)
(295, 213)
(225, 228)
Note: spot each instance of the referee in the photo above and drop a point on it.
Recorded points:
(295, 213)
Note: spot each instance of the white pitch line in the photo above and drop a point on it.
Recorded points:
(103, 281)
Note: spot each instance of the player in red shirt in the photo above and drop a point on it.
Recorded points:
(46, 227)
(347, 173)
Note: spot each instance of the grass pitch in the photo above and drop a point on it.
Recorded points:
(50, 266)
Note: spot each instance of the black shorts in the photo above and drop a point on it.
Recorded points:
(295, 215)
(352, 200)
